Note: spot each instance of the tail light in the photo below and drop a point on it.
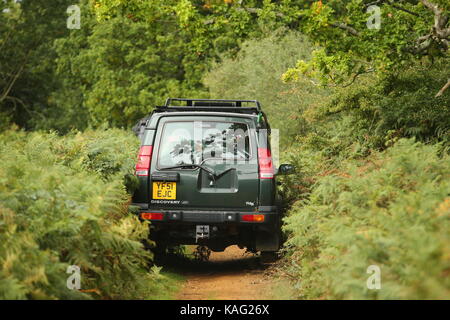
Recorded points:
(253, 218)
(266, 170)
(143, 164)
(152, 216)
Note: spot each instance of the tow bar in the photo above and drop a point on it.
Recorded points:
(202, 232)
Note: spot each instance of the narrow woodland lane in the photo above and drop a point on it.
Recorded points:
(191, 122)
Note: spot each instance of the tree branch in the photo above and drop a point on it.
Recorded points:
(439, 34)
(440, 20)
(356, 76)
(403, 9)
(432, 7)
(30, 112)
(445, 87)
(345, 27)
(391, 3)
(12, 82)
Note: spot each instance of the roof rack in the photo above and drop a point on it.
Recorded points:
(217, 104)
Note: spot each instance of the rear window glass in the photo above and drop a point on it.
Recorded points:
(192, 142)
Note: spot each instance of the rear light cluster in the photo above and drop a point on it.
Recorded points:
(143, 165)
(160, 216)
(152, 216)
(253, 218)
(266, 170)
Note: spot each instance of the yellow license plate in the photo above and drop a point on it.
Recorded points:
(165, 190)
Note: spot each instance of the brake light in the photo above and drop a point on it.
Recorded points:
(143, 164)
(253, 218)
(152, 216)
(266, 170)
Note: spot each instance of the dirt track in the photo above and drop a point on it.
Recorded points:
(229, 275)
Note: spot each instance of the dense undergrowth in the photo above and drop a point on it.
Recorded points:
(63, 202)
(366, 195)
(391, 210)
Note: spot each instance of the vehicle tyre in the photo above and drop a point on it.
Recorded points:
(268, 256)
(159, 251)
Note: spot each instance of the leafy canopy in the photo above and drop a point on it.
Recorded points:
(350, 46)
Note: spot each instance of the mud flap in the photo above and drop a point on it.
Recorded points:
(266, 241)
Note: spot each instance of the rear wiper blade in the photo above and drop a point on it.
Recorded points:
(212, 173)
(209, 171)
(223, 172)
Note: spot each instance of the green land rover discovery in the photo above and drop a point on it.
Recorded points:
(207, 176)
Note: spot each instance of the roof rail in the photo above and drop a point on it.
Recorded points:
(215, 103)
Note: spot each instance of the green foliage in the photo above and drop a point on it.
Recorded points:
(211, 26)
(130, 55)
(63, 202)
(370, 115)
(119, 69)
(27, 32)
(256, 73)
(113, 71)
(350, 48)
(391, 210)
(400, 105)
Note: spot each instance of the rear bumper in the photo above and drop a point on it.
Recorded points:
(175, 227)
(175, 216)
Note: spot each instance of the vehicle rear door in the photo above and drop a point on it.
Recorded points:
(224, 146)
